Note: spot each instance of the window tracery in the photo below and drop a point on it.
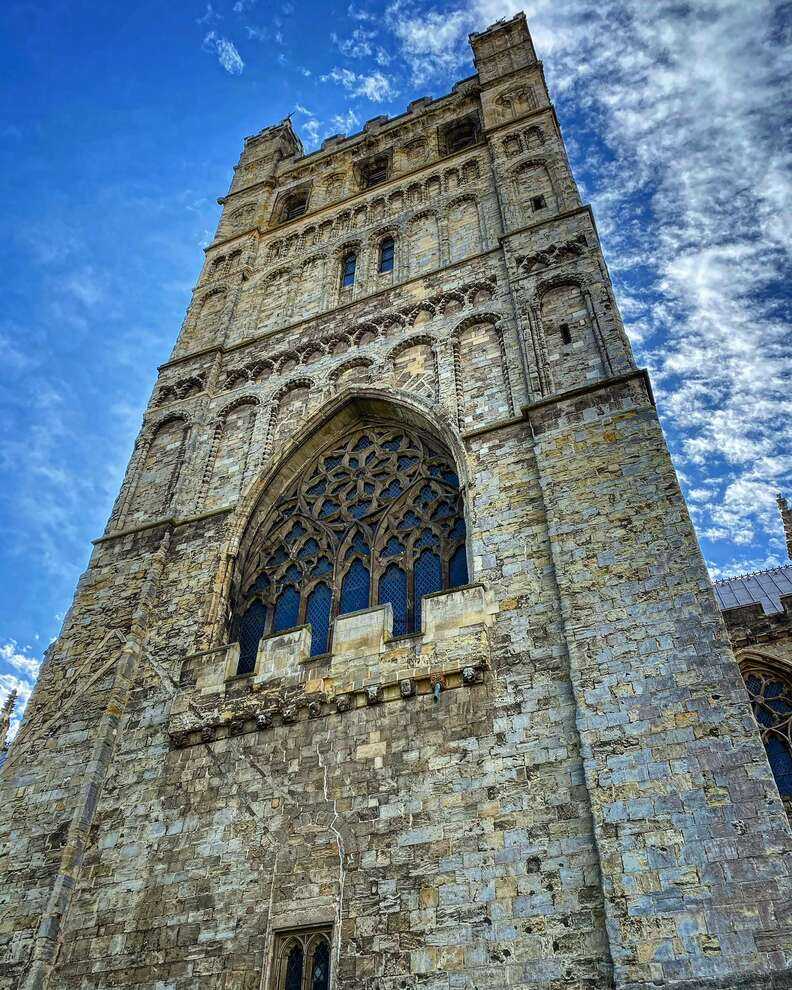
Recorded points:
(770, 694)
(377, 517)
(302, 961)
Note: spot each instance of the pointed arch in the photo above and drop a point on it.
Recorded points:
(344, 414)
(229, 452)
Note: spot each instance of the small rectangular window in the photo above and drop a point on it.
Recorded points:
(387, 249)
(377, 174)
(294, 207)
(538, 203)
(566, 336)
(348, 273)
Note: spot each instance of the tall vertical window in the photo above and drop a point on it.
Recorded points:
(302, 961)
(386, 254)
(770, 693)
(348, 270)
(374, 518)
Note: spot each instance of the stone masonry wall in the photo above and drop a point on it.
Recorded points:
(556, 782)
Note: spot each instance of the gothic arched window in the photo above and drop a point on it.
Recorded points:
(374, 518)
(770, 694)
(302, 961)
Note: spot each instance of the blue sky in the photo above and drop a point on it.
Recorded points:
(119, 127)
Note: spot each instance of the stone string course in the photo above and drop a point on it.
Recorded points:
(557, 782)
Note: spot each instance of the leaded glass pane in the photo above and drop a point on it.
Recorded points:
(251, 630)
(287, 610)
(393, 589)
(355, 589)
(386, 255)
(457, 568)
(317, 613)
(393, 548)
(340, 506)
(308, 549)
(260, 585)
(428, 577)
(350, 264)
(771, 700)
(294, 969)
(780, 757)
(320, 974)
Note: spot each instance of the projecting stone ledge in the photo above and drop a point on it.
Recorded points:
(368, 666)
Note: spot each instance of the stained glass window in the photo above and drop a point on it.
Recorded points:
(355, 589)
(771, 701)
(428, 578)
(320, 975)
(301, 960)
(376, 516)
(287, 610)
(251, 629)
(294, 969)
(393, 589)
(317, 613)
(457, 568)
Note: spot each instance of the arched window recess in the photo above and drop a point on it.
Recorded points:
(348, 269)
(376, 517)
(387, 253)
(770, 692)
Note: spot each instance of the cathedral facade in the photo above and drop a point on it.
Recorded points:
(398, 665)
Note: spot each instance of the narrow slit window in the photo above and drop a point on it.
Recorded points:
(287, 610)
(427, 578)
(355, 589)
(386, 255)
(393, 590)
(348, 272)
(538, 203)
(566, 336)
(317, 614)
(251, 630)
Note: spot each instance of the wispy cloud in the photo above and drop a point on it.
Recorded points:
(357, 45)
(226, 53)
(18, 672)
(345, 123)
(375, 86)
(210, 16)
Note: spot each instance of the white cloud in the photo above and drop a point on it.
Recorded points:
(358, 14)
(12, 658)
(676, 138)
(345, 123)
(226, 52)
(374, 86)
(255, 33)
(358, 45)
(210, 16)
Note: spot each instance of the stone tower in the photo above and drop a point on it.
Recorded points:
(398, 664)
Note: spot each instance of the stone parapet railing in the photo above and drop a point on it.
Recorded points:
(367, 666)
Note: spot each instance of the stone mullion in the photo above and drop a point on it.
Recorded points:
(539, 349)
(599, 337)
(507, 377)
(257, 433)
(129, 488)
(177, 486)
